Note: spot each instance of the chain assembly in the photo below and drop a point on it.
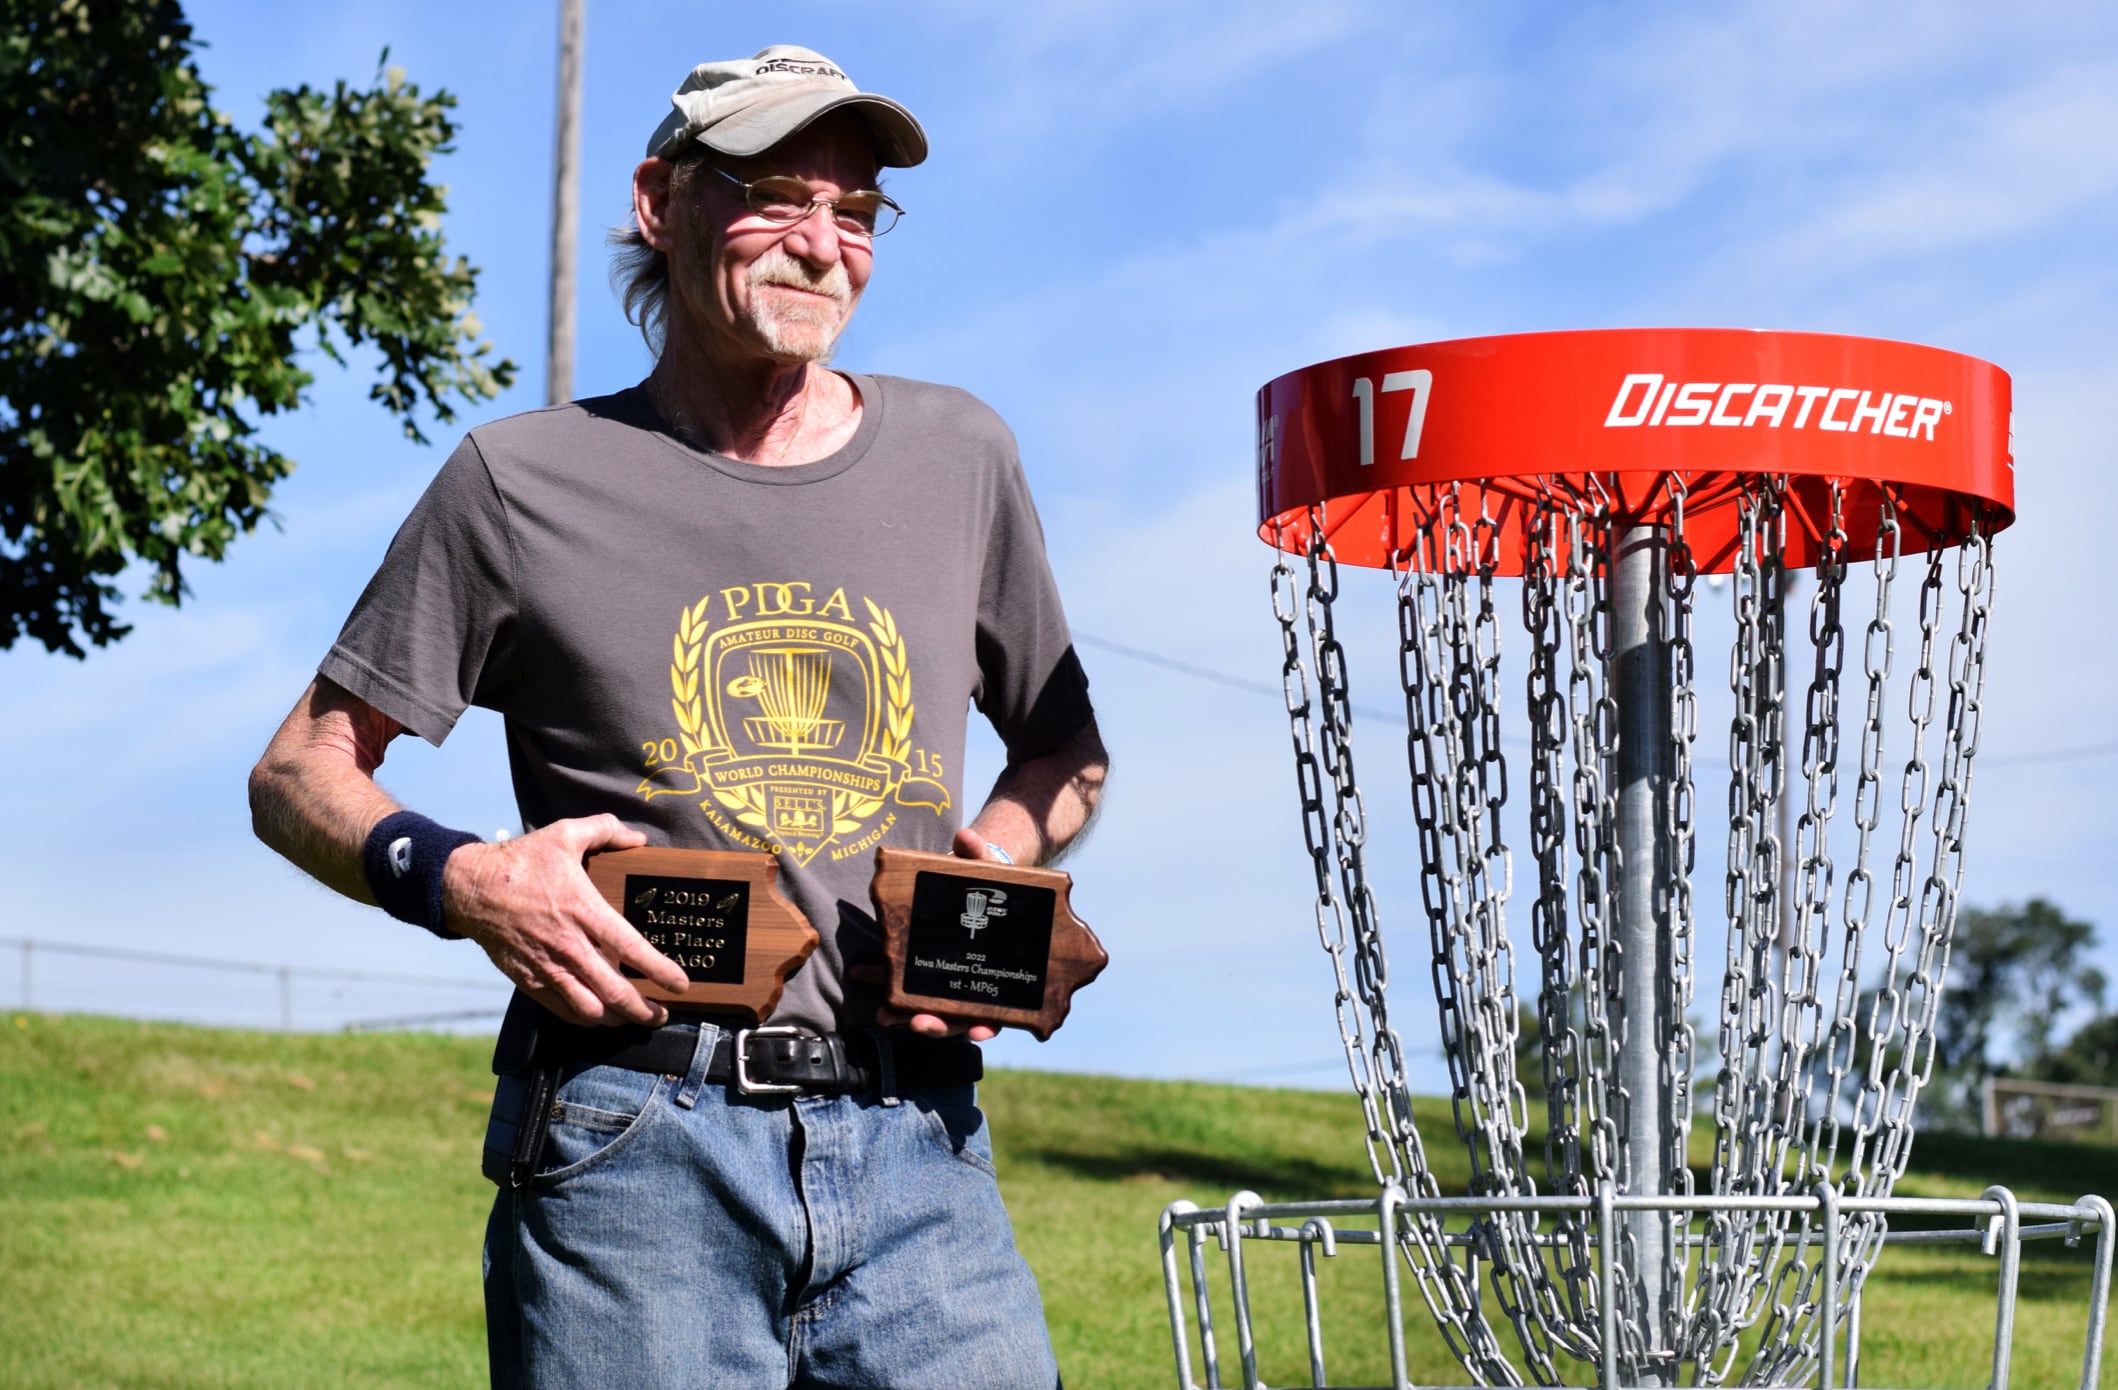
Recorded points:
(1334, 823)
(1831, 969)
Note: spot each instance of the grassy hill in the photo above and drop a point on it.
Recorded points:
(196, 1207)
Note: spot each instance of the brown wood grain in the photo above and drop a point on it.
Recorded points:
(779, 938)
(1077, 957)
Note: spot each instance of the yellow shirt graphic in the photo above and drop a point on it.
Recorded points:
(793, 721)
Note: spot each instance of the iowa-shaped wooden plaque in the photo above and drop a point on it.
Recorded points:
(719, 914)
(979, 941)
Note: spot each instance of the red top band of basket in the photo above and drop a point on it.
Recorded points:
(1635, 417)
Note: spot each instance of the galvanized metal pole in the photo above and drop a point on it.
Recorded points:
(1640, 687)
(566, 206)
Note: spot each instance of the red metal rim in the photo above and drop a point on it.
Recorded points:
(1386, 442)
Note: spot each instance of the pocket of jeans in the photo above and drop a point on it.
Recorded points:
(956, 1124)
(596, 1113)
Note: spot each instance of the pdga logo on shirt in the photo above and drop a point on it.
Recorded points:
(793, 721)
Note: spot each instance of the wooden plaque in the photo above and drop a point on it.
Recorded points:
(717, 913)
(981, 941)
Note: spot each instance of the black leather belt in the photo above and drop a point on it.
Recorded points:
(782, 1060)
(535, 1050)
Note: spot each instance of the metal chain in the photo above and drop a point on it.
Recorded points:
(1560, 1042)
(1935, 914)
(1322, 736)
(1594, 732)
(1860, 882)
(1288, 608)
(1595, 805)
(1854, 1023)
(1740, 1249)
(1678, 850)
(1450, 647)
(1789, 1338)
(1839, 1045)
(1812, 848)
(1907, 922)
(1886, 1033)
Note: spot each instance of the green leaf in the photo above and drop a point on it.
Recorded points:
(157, 268)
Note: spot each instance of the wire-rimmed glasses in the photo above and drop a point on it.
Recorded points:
(785, 200)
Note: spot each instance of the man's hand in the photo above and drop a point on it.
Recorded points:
(530, 905)
(1038, 807)
(969, 844)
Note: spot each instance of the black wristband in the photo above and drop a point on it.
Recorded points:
(402, 862)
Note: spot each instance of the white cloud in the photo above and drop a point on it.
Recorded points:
(165, 694)
(2016, 161)
(1078, 73)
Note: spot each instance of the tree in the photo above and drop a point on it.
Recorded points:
(2089, 1058)
(2012, 969)
(159, 269)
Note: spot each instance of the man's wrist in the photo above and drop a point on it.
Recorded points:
(403, 861)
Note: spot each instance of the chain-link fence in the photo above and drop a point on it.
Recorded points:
(70, 977)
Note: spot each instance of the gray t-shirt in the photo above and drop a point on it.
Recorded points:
(727, 655)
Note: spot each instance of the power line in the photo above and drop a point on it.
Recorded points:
(1222, 678)
(1208, 674)
(404, 1021)
(40, 946)
(2056, 755)
(32, 947)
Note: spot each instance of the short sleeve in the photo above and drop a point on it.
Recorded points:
(430, 635)
(1031, 685)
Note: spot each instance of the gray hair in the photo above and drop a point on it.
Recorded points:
(639, 274)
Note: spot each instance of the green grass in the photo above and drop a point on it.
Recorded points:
(194, 1207)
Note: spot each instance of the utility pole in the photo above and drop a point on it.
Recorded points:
(566, 205)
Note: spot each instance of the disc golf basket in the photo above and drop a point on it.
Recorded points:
(1609, 472)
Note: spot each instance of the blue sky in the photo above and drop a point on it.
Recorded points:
(1136, 214)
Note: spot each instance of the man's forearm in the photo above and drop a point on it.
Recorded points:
(1040, 806)
(313, 795)
(526, 903)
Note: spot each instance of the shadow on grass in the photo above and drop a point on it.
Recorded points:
(1284, 1178)
(2065, 1170)
(2042, 1282)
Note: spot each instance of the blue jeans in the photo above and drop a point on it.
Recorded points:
(679, 1233)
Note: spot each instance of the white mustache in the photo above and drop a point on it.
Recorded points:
(776, 267)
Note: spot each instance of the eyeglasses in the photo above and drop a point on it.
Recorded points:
(785, 201)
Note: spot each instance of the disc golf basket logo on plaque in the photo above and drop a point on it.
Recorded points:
(1602, 475)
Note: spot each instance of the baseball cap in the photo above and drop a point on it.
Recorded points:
(747, 105)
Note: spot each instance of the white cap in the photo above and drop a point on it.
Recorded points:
(748, 105)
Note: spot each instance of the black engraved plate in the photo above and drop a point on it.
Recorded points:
(979, 940)
(703, 924)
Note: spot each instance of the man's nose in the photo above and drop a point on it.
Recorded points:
(816, 239)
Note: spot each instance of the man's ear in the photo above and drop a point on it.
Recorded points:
(651, 206)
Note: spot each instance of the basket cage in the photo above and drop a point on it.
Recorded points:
(1559, 636)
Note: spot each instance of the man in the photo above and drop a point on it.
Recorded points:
(743, 606)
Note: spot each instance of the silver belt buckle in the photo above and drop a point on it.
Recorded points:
(743, 1083)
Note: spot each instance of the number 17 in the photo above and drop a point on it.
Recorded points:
(1420, 382)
